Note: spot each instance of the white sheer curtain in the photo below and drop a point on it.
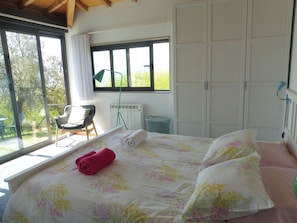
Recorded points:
(82, 66)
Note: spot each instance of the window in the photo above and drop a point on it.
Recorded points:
(141, 66)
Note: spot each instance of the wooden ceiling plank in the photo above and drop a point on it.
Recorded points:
(81, 5)
(56, 5)
(57, 12)
(107, 3)
(24, 3)
(27, 2)
(70, 12)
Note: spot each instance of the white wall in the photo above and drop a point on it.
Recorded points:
(125, 21)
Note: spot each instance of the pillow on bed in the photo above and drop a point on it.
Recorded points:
(278, 182)
(228, 190)
(231, 146)
(276, 154)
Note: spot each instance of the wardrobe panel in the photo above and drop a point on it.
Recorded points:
(264, 107)
(269, 17)
(190, 102)
(227, 64)
(226, 107)
(226, 20)
(190, 63)
(193, 13)
(268, 59)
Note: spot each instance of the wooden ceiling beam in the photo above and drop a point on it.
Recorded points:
(27, 2)
(56, 5)
(107, 3)
(70, 12)
(79, 4)
(24, 3)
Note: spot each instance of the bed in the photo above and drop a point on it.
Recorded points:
(165, 178)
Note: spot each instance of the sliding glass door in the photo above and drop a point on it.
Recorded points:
(27, 88)
(6, 111)
(32, 90)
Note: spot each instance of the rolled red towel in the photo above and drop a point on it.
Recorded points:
(84, 156)
(92, 164)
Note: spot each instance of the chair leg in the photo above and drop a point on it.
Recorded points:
(87, 131)
(94, 128)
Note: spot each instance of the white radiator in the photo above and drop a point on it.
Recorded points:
(132, 116)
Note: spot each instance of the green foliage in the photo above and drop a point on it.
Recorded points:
(139, 79)
(162, 81)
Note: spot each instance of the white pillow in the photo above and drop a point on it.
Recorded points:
(228, 190)
(77, 115)
(231, 146)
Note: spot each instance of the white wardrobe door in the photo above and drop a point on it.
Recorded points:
(190, 93)
(226, 65)
(268, 42)
(190, 68)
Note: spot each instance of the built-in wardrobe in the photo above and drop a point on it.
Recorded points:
(228, 57)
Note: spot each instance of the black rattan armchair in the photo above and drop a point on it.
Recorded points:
(76, 119)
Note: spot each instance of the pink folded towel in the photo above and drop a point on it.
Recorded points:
(92, 164)
(84, 156)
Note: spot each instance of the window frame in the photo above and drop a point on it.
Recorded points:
(127, 47)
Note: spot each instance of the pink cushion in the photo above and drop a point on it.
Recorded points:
(276, 154)
(278, 182)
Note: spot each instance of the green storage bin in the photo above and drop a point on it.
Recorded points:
(158, 124)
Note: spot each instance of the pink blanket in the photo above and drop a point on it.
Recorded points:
(91, 162)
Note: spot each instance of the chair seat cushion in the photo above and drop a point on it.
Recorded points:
(72, 126)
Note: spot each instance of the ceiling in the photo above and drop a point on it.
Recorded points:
(57, 12)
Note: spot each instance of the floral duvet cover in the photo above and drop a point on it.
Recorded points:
(150, 183)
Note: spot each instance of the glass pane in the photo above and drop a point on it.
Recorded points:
(8, 139)
(120, 65)
(101, 60)
(29, 96)
(140, 67)
(54, 78)
(161, 66)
